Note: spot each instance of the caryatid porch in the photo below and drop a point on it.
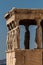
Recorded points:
(15, 18)
(26, 17)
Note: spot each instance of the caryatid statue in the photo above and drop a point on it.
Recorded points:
(38, 38)
(27, 38)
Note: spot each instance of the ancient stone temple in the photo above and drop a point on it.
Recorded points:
(15, 55)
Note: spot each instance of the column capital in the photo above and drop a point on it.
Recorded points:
(38, 21)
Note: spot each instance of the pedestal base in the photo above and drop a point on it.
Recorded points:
(25, 57)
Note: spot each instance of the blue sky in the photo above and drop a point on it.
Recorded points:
(5, 6)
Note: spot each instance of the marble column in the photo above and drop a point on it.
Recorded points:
(38, 34)
(27, 38)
